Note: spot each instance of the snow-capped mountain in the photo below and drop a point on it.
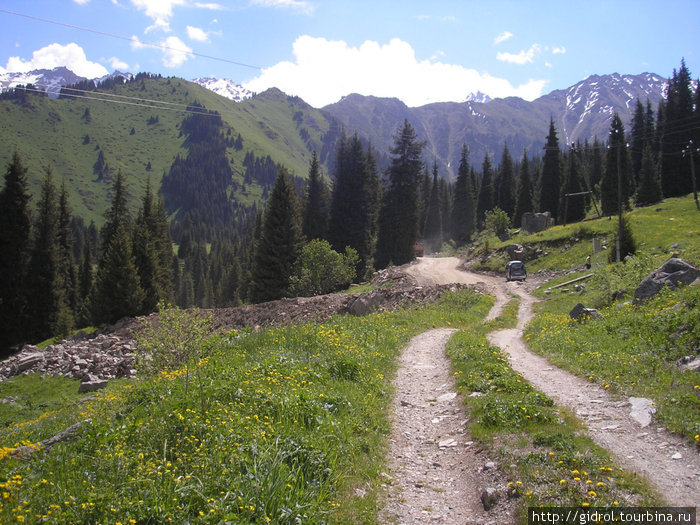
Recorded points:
(478, 97)
(587, 104)
(52, 80)
(225, 87)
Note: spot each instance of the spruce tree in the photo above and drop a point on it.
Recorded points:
(67, 273)
(523, 202)
(675, 170)
(463, 207)
(649, 188)
(485, 201)
(398, 219)
(117, 292)
(316, 210)
(280, 242)
(550, 179)
(505, 187)
(617, 148)
(15, 236)
(43, 284)
(638, 139)
(152, 249)
(432, 232)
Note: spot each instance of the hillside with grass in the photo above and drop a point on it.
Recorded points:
(136, 128)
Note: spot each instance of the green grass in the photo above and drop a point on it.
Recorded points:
(280, 425)
(656, 228)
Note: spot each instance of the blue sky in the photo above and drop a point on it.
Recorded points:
(417, 51)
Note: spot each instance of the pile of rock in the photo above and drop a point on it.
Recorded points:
(105, 356)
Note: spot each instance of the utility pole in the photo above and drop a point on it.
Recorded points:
(691, 152)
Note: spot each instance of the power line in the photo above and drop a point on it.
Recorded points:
(128, 39)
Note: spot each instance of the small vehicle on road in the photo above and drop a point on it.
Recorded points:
(515, 271)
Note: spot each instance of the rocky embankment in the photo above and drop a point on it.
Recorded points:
(94, 358)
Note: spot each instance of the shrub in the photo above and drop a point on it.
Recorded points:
(497, 221)
(321, 270)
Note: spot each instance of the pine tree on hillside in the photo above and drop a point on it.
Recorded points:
(446, 195)
(67, 273)
(15, 236)
(550, 179)
(85, 283)
(675, 170)
(505, 185)
(117, 292)
(485, 202)
(398, 218)
(638, 139)
(523, 202)
(609, 183)
(43, 287)
(432, 232)
(649, 188)
(316, 209)
(463, 205)
(280, 242)
(152, 249)
(117, 214)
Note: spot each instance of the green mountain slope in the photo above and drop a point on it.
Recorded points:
(142, 138)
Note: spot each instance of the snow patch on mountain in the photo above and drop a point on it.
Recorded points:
(225, 87)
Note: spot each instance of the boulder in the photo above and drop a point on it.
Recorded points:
(673, 273)
(489, 498)
(28, 361)
(581, 313)
(536, 222)
(91, 383)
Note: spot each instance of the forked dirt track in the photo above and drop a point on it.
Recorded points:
(438, 472)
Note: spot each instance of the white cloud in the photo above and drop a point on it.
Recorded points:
(301, 5)
(160, 11)
(324, 71)
(81, 2)
(559, 50)
(175, 52)
(197, 34)
(210, 6)
(502, 37)
(521, 58)
(71, 56)
(118, 64)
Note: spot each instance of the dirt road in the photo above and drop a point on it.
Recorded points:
(667, 461)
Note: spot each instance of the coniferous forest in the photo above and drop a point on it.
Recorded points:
(190, 243)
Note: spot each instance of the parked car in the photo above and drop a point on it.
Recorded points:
(515, 271)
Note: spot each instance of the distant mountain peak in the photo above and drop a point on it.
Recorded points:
(478, 97)
(224, 87)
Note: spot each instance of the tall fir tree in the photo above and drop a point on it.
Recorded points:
(505, 187)
(15, 237)
(638, 138)
(550, 179)
(649, 188)
(485, 202)
(152, 249)
(523, 202)
(398, 219)
(432, 231)
(316, 209)
(675, 170)
(67, 274)
(85, 280)
(43, 284)
(463, 205)
(616, 160)
(117, 292)
(280, 242)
